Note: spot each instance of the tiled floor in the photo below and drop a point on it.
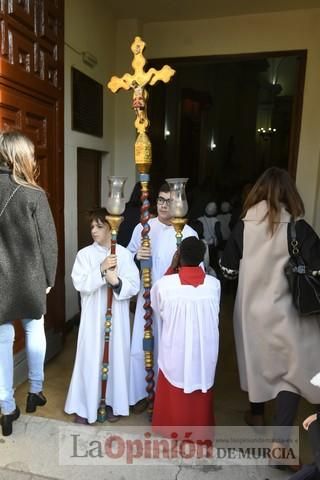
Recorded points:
(230, 401)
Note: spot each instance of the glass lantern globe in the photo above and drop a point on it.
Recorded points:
(178, 199)
(116, 201)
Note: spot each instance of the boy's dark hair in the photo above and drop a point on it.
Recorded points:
(164, 188)
(192, 251)
(98, 214)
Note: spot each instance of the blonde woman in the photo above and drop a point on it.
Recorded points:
(28, 260)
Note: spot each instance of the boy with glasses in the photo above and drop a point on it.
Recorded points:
(163, 246)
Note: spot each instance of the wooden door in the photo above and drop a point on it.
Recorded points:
(31, 100)
(89, 188)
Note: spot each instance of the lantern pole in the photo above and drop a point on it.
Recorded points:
(115, 207)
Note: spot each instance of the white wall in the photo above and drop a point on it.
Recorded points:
(88, 27)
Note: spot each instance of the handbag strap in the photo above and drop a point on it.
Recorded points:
(9, 199)
(293, 243)
(294, 250)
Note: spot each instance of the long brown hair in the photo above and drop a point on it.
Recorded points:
(17, 153)
(277, 188)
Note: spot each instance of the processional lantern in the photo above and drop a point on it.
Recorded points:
(178, 205)
(137, 82)
(115, 207)
(115, 200)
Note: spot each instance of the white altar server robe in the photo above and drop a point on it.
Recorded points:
(189, 331)
(85, 387)
(163, 246)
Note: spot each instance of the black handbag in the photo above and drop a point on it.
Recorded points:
(304, 283)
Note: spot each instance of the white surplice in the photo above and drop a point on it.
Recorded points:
(163, 246)
(85, 387)
(189, 331)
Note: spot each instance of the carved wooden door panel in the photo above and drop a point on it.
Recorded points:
(31, 100)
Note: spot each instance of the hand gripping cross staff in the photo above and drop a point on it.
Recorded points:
(137, 82)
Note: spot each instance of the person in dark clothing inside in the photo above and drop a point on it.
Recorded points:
(312, 425)
(131, 216)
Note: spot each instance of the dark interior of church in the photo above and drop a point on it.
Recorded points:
(223, 120)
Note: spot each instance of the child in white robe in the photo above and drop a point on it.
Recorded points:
(163, 246)
(93, 270)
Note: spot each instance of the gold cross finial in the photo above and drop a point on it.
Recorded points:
(143, 158)
(138, 81)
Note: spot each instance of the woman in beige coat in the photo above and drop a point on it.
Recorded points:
(277, 350)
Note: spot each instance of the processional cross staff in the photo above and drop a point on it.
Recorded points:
(137, 82)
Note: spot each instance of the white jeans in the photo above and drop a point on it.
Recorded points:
(35, 349)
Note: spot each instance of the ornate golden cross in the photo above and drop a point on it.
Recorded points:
(143, 158)
(138, 81)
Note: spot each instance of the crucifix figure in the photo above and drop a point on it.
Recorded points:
(137, 82)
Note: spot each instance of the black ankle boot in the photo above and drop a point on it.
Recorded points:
(35, 400)
(7, 420)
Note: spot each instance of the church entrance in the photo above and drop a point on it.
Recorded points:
(223, 120)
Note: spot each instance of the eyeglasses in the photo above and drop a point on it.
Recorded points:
(163, 201)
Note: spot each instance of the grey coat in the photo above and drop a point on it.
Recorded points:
(28, 251)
